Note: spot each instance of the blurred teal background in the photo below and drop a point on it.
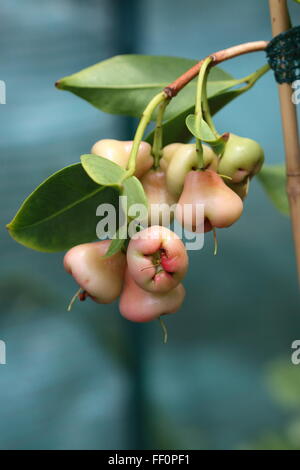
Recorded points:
(88, 379)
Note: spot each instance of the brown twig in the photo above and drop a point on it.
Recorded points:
(218, 57)
(281, 22)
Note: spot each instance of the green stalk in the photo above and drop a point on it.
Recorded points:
(198, 107)
(253, 77)
(205, 105)
(158, 133)
(250, 80)
(145, 119)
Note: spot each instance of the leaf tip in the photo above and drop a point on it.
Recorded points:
(59, 84)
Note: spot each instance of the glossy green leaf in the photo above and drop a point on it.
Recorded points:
(61, 212)
(273, 180)
(203, 133)
(134, 192)
(101, 170)
(126, 83)
(219, 101)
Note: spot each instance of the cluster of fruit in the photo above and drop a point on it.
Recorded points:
(148, 277)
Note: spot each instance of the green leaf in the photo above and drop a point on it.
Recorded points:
(126, 83)
(102, 171)
(61, 212)
(203, 133)
(219, 101)
(134, 192)
(273, 180)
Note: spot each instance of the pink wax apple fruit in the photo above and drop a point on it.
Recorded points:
(157, 259)
(221, 206)
(102, 278)
(159, 199)
(138, 305)
(119, 152)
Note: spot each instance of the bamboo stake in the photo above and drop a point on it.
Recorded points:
(281, 22)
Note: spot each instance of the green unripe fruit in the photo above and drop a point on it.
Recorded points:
(168, 153)
(242, 158)
(184, 160)
(241, 189)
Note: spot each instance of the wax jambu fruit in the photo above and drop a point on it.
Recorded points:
(159, 199)
(138, 305)
(221, 206)
(102, 278)
(167, 154)
(157, 259)
(185, 159)
(242, 158)
(119, 151)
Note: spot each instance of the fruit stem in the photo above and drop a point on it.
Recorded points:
(144, 121)
(158, 133)
(198, 107)
(164, 330)
(220, 143)
(215, 241)
(226, 177)
(249, 80)
(74, 298)
(205, 106)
